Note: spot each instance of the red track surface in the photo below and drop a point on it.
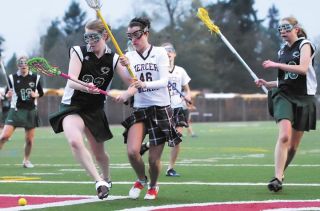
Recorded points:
(12, 201)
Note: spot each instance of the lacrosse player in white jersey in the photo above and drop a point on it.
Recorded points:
(178, 81)
(152, 114)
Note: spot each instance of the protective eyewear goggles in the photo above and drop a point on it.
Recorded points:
(170, 49)
(286, 27)
(22, 62)
(136, 35)
(92, 37)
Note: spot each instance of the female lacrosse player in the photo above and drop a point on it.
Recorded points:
(82, 109)
(152, 113)
(25, 88)
(178, 78)
(292, 101)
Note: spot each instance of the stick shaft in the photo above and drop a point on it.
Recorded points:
(83, 83)
(5, 74)
(233, 50)
(180, 93)
(114, 41)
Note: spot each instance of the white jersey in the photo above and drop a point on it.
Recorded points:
(178, 78)
(152, 67)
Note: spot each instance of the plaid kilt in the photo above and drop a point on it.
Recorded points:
(94, 119)
(300, 110)
(158, 122)
(180, 118)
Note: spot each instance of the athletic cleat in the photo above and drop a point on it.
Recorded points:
(144, 148)
(275, 185)
(172, 173)
(27, 164)
(109, 184)
(102, 188)
(152, 193)
(135, 191)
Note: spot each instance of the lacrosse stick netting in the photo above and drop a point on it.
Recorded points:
(204, 17)
(41, 65)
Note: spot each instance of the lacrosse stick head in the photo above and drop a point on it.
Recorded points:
(94, 4)
(204, 17)
(39, 64)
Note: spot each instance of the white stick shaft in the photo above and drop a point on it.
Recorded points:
(4, 73)
(253, 75)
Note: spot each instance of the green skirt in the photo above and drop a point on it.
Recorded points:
(300, 110)
(95, 120)
(27, 119)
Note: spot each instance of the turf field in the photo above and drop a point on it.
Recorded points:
(226, 162)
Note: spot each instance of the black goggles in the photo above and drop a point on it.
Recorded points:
(286, 27)
(135, 35)
(93, 37)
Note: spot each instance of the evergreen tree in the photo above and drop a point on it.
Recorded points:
(273, 16)
(11, 67)
(74, 19)
(52, 36)
(1, 50)
(1, 42)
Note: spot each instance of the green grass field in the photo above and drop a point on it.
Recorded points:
(226, 162)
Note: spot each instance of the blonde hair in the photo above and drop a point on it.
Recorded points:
(20, 58)
(96, 25)
(294, 22)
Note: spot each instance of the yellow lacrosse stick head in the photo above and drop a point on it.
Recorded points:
(204, 17)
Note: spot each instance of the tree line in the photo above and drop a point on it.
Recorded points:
(208, 61)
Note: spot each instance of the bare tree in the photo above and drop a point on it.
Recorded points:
(176, 10)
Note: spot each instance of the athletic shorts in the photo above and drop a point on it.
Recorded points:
(27, 119)
(300, 110)
(186, 113)
(179, 117)
(95, 120)
(158, 122)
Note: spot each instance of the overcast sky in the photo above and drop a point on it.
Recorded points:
(23, 22)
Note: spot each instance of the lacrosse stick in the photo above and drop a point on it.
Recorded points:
(96, 5)
(4, 73)
(180, 93)
(204, 17)
(41, 65)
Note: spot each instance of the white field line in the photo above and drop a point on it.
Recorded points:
(39, 173)
(215, 203)
(127, 165)
(295, 209)
(166, 183)
(59, 204)
(41, 195)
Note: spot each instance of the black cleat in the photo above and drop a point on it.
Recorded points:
(172, 173)
(144, 148)
(275, 185)
(102, 188)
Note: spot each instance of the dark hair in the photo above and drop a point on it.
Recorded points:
(142, 22)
